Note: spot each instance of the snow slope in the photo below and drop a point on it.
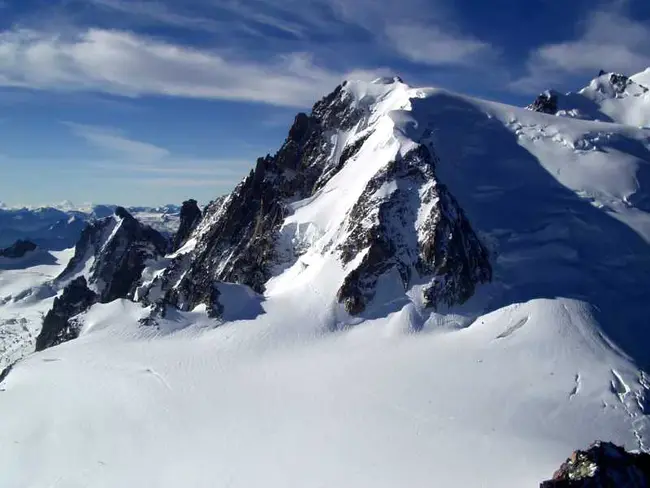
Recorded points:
(25, 296)
(507, 397)
(291, 390)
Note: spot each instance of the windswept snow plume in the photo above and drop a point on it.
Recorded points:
(419, 288)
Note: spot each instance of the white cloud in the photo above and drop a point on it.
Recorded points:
(157, 12)
(431, 45)
(610, 40)
(127, 64)
(152, 164)
(113, 141)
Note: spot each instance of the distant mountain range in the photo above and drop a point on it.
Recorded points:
(58, 227)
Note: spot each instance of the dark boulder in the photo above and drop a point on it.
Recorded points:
(603, 465)
(18, 249)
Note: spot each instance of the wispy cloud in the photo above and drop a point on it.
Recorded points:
(434, 46)
(114, 141)
(157, 12)
(152, 164)
(129, 64)
(280, 52)
(610, 39)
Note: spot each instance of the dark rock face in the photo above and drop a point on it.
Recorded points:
(603, 465)
(237, 235)
(18, 249)
(190, 218)
(546, 102)
(57, 327)
(120, 247)
(5, 372)
(619, 82)
(443, 247)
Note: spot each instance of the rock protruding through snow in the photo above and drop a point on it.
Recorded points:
(603, 465)
(57, 326)
(108, 263)
(190, 218)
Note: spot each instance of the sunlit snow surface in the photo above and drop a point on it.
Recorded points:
(291, 391)
(25, 296)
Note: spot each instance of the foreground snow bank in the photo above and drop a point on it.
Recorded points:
(236, 406)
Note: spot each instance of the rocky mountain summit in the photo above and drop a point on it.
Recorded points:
(603, 465)
(107, 264)
(401, 222)
(546, 103)
(18, 249)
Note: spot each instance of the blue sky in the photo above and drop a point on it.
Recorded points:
(152, 102)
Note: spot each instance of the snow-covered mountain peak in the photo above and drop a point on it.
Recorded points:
(610, 97)
(350, 189)
(613, 85)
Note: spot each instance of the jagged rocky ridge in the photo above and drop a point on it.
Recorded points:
(602, 465)
(107, 264)
(418, 231)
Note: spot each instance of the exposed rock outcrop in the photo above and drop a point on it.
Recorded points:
(57, 326)
(546, 102)
(603, 465)
(118, 246)
(107, 265)
(18, 249)
(429, 237)
(190, 218)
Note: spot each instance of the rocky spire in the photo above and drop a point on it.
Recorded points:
(190, 217)
(107, 265)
